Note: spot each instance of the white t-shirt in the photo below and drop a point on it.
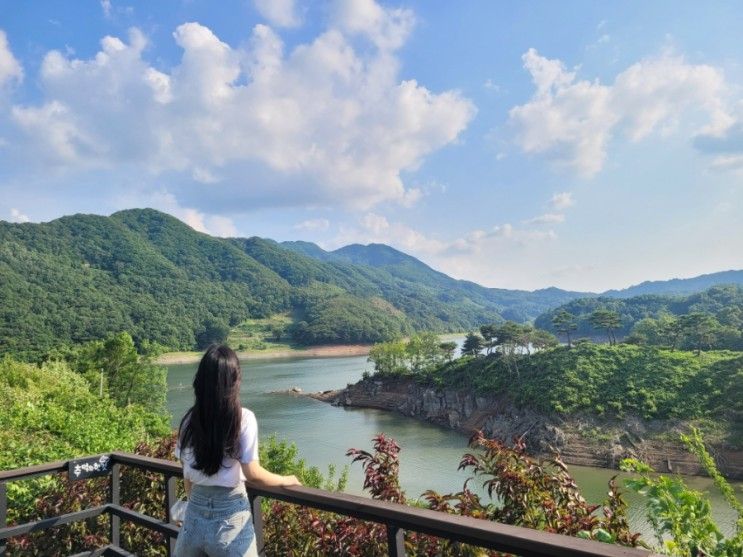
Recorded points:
(231, 473)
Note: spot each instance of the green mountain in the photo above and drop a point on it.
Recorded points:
(85, 276)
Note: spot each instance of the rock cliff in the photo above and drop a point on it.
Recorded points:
(582, 440)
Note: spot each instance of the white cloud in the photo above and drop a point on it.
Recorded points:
(17, 216)
(106, 7)
(387, 28)
(321, 124)
(562, 200)
(10, 68)
(221, 226)
(282, 13)
(375, 228)
(547, 218)
(728, 162)
(573, 120)
(313, 225)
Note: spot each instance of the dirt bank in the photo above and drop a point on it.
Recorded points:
(582, 440)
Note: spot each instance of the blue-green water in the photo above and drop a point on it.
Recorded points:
(323, 433)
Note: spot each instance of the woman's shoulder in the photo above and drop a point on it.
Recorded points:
(248, 419)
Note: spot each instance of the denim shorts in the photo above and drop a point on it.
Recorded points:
(218, 523)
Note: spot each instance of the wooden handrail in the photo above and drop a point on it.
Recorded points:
(396, 517)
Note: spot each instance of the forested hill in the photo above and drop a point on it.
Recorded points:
(513, 305)
(723, 306)
(85, 276)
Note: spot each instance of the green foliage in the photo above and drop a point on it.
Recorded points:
(529, 493)
(473, 344)
(607, 320)
(709, 319)
(345, 319)
(534, 494)
(282, 457)
(115, 367)
(682, 517)
(421, 353)
(616, 380)
(50, 413)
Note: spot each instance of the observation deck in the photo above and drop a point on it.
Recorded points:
(397, 518)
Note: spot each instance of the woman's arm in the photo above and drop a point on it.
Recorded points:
(256, 473)
(187, 486)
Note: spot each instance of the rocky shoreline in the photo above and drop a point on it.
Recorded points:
(580, 440)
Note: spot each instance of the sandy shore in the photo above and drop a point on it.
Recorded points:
(327, 351)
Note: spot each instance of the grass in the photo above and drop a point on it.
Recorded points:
(264, 334)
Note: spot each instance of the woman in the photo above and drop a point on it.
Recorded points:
(218, 445)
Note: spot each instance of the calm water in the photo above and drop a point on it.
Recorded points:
(323, 433)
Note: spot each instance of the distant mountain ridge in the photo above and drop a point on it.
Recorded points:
(677, 286)
(82, 277)
(384, 256)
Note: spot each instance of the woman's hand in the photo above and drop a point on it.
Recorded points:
(290, 480)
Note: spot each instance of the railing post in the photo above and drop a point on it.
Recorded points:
(395, 541)
(170, 499)
(3, 514)
(255, 508)
(115, 499)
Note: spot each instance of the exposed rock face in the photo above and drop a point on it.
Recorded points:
(580, 440)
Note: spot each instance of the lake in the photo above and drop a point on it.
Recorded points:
(323, 433)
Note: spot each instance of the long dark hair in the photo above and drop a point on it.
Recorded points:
(211, 427)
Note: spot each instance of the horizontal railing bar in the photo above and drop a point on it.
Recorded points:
(149, 463)
(144, 520)
(482, 533)
(109, 550)
(116, 551)
(28, 527)
(33, 471)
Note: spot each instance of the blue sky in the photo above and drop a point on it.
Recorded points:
(586, 145)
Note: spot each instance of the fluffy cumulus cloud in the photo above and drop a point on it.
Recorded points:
(325, 123)
(499, 239)
(573, 120)
(282, 13)
(387, 28)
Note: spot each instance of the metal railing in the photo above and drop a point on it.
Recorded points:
(396, 517)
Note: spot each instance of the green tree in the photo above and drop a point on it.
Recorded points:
(473, 344)
(389, 358)
(543, 340)
(488, 333)
(607, 320)
(699, 329)
(564, 323)
(448, 348)
(114, 367)
(212, 330)
(423, 351)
